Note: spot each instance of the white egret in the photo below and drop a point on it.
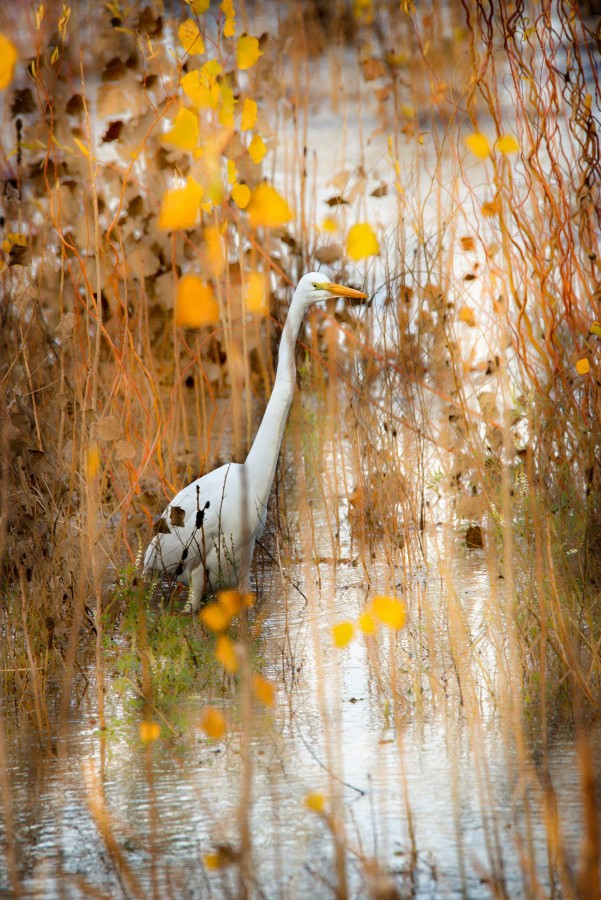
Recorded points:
(207, 534)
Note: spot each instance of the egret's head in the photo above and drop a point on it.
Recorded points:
(315, 286)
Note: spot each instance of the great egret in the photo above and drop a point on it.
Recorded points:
(206, 536)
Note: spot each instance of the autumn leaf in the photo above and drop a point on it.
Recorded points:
(507, 144)
(232, 172)
(215, 617)
(267, 207)
(185, 131)
(212, 722)
(595, 329)
(257, 293)
(343, 633)
(202, 87)
(362, 241)
(390, 611)
(367, 623)
(329, 224)
(249, 115)
(229, 28)
(264, 690)
(583, 366)
(225, 653)
(179, 208)
(195, 304)
(149, 731)
(215, 250)
(257, 148)
(8, 61)
(241, 195)
(247, 51)
(315, 802)
(198, 6)
(190, 38)
(467, 316)
(478, 144)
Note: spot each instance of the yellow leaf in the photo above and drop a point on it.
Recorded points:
(215, 250)
(315, 802)
(257, 293)
(234, 601)
(190, 38)
(583, 366)
(257, 148)
(202, 87)
(212, 722)
(595, 329)
(249, 115)
(343, 633)
(367, 623)
(232, 172)
(213, 861)
(247, 51)
(149, 731)
(8, 61)
(267, 207)
(195, 305)
(229, 28)
(362, 241)
(198, 6)
(215, 617)
(390, 611)
(226, 111)
(81, 146)
(466, 315)
(241, 195)
(185, 131)
(225, 653)
(490, 208)
(329, 224)
(179, 208)
(478, 144)
(507, 144)
(264, 690)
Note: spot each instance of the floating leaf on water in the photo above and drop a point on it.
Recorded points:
(361, 241)
(343, 633)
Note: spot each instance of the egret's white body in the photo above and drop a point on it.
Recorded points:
(208, 532)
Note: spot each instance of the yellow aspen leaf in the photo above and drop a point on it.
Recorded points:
(215, 617)
(8, 61)
(202, 87)
(241, 195)
(477, 143)
(185, 131)
(361, 241)
(226, 110)
(247, 51)
(232, 171)
(507, 144)
(315, 802)
(198, 6)
(329, 224)
(267, 207)
(195, 304)
(190, 38)
(257, 293)
(212, 722)
(179, 207)
(149, 731)
(225, 653)
(595, 329)
(235, 601)
(249, 115)
(343, 633)
(390, 611)
(264, 690)
(229, 27)
(215, 250)
(82, 147)
(466, 315)
(490, 208)
(583, 366)
(257, 148)
(367, 623)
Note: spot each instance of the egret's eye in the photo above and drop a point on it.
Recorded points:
(318, 285)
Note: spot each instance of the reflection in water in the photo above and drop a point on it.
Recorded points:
(433, 792)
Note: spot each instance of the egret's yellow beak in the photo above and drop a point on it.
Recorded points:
(339, 290)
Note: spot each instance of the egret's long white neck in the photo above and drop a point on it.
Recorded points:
(262, 459)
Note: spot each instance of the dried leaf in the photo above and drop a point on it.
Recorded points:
(177, 516)
(124, 450)
(109, 428)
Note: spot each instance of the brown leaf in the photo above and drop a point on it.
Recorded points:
(74, 106)
(114, 70)
(177, 514)
(467, 243)
(65, 327)
(113, 132)
(160, 526)
(336, 201)
(380, 191)
(329, 254)
(19, 255)
(124, 450)
(108, 428)
(373, 68)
